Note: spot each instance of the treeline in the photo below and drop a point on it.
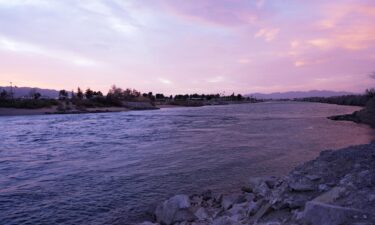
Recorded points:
(353, 100)
(34, 100)
(116, 96)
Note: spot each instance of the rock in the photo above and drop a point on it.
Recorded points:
(229, 200)
(253, 207)
(313, 177)
(270, 223)
(323, 187)
(225, 220)
(295, 202)
(259, 186)
(331, 195)
(196, 200)
(317, 213)
(218, 197)
(262, 211)
(371, 197)
(246, 189)
(201, 214)
(207, 195)
(301, 186)
(175, 209)
(238, 211)
(148, 223)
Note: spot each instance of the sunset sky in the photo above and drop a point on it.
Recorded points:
(185, 46)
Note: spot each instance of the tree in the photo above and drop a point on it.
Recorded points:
(115, 92)
(63, 94)
(159, 96)
(34, 94)
(4, 94)
(89, 94)
(79, 93)
(370, 93)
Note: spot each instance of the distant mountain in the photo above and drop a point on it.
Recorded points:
(299, 94)
(25, 91)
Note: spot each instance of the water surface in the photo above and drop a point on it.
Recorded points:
(108, 168)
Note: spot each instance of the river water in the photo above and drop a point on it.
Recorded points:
(109, 168)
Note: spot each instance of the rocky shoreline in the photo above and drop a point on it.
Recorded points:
(336, 188)
(365, 116)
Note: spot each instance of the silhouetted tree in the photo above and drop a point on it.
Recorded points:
(159, 96)
(79, 93)
(370, 93)
(89, 94)
(34, 94)
(4, 94)
(63, 94)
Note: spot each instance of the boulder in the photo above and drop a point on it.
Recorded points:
(175, 209)
(331, 195)
(148, 223)
(259, 186)
(228, 200)
(313, 177)
(225, 220)
(317, 213)
(301, 185)
(201, 214)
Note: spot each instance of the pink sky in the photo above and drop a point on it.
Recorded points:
(185, 46)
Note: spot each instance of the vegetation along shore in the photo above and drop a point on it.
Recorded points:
(367, 101)
(116, 100)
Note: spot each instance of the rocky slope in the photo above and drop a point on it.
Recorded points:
(336, 188)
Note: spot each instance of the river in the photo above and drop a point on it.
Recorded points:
(110, 168)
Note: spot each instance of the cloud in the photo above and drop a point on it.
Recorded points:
(260, 3)
(164, 81)
(215, 12)
(268, 34)
(7, 44)
(23, 3)
(244, 61)
(217, 79)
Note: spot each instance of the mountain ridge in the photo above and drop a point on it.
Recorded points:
(299, 94)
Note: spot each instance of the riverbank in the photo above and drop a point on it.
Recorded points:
(365, 116)
(54, 110)
(128, 106)
(338, 187)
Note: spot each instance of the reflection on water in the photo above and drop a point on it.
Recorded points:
(108, 168)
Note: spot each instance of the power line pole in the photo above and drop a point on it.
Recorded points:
(11, 90)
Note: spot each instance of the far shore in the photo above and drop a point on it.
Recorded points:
(53, 110)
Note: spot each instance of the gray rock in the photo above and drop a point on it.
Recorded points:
(371, 197)
(253, 207)
(238, 211)
(228, 200)
(175, 209)
(301, 186)
(225, 220)
(313, 177)
(317, 213)
(259, 186)
(201, 214)
(331, 195)
(323, 187)
(148, 223)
